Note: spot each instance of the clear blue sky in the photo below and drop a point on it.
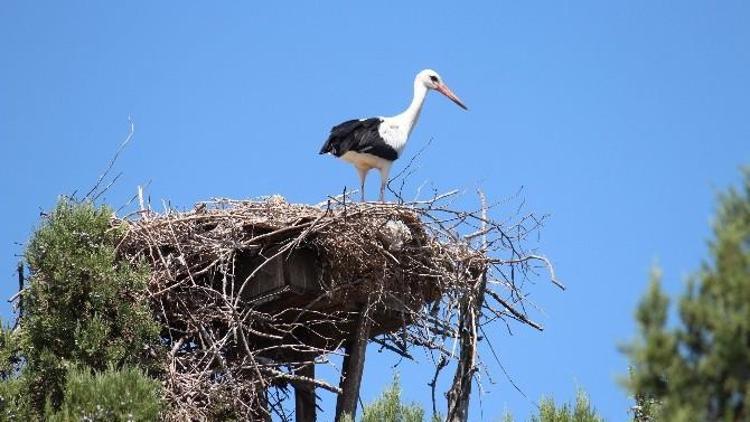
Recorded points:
(620, 119)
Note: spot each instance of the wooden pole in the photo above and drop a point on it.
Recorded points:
(460, 392)
(20, 289)
(471, 309)
(20, 295)
(260, 410)
(354, 365)
(304, 396)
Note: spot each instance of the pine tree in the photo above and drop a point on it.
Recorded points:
(699, 369)
(389, 407)
(581, 411)
(110, 395)
(82, 308)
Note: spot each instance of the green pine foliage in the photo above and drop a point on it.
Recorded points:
(82, 307)
(389, 407)
(112, 395)
(13, 402)
(700, 368)
(581, 411)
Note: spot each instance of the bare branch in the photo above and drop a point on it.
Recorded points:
(125, 142)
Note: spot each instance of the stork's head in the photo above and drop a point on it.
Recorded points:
(431, 80)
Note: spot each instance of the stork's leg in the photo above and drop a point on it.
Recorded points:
(362, 176)
(384, 181)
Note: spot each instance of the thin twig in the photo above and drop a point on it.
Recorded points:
(125, 142)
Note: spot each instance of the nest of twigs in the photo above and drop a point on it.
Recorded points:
(236, 324)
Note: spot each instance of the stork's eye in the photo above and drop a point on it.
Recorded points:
(434, 78)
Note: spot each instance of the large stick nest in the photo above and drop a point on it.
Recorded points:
(249, 292)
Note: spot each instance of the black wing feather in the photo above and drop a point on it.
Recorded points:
(359, 136)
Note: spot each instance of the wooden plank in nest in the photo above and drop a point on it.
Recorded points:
(299, 273)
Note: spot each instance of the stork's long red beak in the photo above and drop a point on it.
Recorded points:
(443, 89)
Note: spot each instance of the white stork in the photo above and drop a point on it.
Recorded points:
(378, 141)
